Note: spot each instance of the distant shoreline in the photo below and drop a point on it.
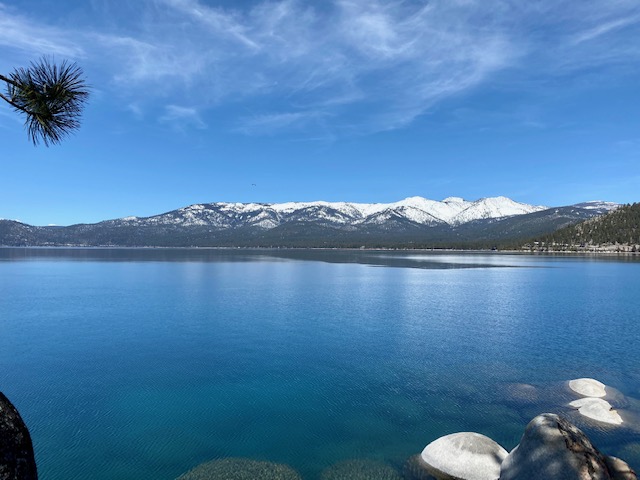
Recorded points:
(352, 249)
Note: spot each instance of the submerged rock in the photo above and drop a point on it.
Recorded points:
(414, 469)
(522, 393)
(597, 409)
(360, 469)
(588, 387)
(240, 469)
(17, 461)
(463, 456)
(553, 448)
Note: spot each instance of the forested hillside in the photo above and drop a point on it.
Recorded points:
(618, 230)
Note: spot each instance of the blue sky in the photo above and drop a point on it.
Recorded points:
(341, 100)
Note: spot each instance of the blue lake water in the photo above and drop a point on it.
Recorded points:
(141, 364)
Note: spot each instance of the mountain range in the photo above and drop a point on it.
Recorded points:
(414, 221)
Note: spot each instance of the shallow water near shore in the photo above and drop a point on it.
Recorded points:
(141, 364)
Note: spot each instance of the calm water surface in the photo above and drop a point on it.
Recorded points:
(141, 364)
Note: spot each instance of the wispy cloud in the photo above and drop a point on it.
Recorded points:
(367, 65)
(19, 32)
(182, 118)
(136, 110)
(604, 28)
(277, 122)
(159, 64)
(578, 35)
(217, 21)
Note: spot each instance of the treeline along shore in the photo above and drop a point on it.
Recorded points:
(615, 232)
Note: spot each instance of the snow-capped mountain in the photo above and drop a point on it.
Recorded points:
(418, 210)
(412, 222)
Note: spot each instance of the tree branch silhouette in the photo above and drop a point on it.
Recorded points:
(51, 97)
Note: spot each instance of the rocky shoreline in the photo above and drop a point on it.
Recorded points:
(550, 448)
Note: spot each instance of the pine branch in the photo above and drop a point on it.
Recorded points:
(52, 98)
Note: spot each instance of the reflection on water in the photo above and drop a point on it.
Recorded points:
(429, 259)
(142, 364)
(225, 255)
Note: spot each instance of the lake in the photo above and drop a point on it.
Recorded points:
(142, 364)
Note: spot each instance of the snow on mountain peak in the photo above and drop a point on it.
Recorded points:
(419, 210)
(493, 207)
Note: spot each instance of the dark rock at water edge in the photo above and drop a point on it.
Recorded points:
(17, 461)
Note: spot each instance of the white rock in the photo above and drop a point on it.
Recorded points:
(597, 409)
(463, 456)
(588, 387)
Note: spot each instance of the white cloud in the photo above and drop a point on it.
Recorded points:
(365, 65)
(388, 58)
